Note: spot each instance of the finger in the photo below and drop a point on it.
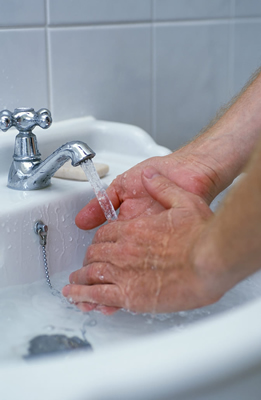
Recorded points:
(121, 254)
(161, 189)
(85, 307)
(106, 295)
(107, 310)
(92, 274)
(108, 233)
(99, 252)
(92, 215)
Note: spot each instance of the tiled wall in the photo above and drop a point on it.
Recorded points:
(164, 65)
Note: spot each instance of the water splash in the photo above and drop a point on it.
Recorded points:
(94, 179)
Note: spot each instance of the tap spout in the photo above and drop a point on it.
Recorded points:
(35, 174)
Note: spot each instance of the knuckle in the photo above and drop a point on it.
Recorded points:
(90, 252)
(105, 271)
(97, 294)
(135, 226)
(76, 291)
(164, 184)
(100, 233)
(105, 233)
(89, 272)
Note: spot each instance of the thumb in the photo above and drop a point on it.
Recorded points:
(161, 189)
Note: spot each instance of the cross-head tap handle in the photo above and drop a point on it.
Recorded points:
(25, 119)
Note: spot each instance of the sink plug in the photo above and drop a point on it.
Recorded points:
(41, 230)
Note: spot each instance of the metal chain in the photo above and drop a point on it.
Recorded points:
(48, 281)
(41, 230)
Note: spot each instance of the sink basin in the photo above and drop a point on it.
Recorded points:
(213, 352)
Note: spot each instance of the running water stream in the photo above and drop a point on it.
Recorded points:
(94, 179)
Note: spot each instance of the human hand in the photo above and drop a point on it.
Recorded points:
(147, 264)
(127, 191)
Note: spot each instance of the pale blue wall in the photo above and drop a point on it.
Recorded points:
(164, 65)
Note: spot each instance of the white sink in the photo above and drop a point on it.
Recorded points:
(213, 352)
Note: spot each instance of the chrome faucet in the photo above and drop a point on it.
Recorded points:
(28, 171)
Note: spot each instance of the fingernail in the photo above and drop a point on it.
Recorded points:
(66, 290)
(150, 172)
(71, 280)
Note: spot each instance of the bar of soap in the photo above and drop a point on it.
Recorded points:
(67, 171)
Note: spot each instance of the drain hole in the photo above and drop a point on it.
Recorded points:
(49, 344)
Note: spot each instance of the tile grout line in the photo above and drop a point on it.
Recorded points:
(182, 22)
(134, 24)
(48, 55)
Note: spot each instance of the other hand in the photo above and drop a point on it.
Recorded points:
(127, 191)
(147, 264)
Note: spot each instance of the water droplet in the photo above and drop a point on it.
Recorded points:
(183, 313)
(49, 328)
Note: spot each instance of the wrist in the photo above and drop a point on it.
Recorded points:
(209, 265)
(198, 172)
(216, 156)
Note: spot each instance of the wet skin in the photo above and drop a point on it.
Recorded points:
(167, 250)
(139, 262)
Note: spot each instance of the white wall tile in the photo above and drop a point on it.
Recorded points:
(98, 11)
(191, 79)
(104, 72)
(191, 9)
(22, 13)
(247, 51)
(23, 76)
(107, 71)
(247, 8)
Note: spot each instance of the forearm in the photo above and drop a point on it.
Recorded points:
(225, 146)
(230, 247)
(204, 167)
